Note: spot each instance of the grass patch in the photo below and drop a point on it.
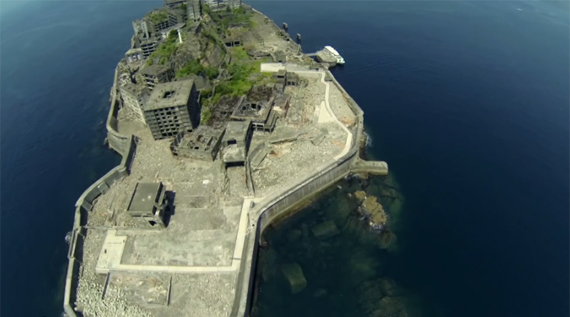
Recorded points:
(158, 16)
(238, 53)
(206, 114)
(194, 67)
(230, 17)
(165, 50)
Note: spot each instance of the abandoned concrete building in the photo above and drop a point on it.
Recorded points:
(172, 108)
(148, 204)
(201, 144)
(173, 3)
(134, 55)
(147, 45)
(141, 29)
(134, 97)
(222, 4)
(232, 41)
(177, 14)
(281, 105)
(236, 141)
(257, 108)
(225, 107)
(284, 78)
(279, 57)
(194, 10)
(156, 74)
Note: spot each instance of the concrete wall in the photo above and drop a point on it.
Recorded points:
(122, 144)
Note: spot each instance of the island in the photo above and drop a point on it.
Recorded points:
(225, 127)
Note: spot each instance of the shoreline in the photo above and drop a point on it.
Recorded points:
(267, 210)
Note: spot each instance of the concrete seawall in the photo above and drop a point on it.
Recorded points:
(122, 144)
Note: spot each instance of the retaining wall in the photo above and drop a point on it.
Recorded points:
(124, 145)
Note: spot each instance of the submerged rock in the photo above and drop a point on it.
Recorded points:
(294, 235)
(390, 307)
(295, 277)
(325, 230)
(320, 292)
(387, 239)
(360, 195)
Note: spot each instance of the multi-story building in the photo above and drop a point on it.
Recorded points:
(194, 9)
(177, 15)
(221, 4)
(172, 108)
(173, 3)
(134, 55)
(156, 74)
(134, 98)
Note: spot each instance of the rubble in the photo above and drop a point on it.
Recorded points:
(295, 277)
(325, 230)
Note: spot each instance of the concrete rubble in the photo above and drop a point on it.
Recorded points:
(294, 275)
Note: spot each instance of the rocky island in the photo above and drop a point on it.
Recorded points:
(224, 127)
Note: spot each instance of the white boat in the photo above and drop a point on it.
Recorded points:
(333, 52)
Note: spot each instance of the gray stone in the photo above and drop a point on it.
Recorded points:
(295, 277)
(325, 230)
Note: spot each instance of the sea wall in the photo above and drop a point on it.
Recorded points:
(126, 146)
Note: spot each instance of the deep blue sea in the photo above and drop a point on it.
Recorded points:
(467, 101)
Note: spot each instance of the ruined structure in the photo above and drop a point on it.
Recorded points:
(194, 10)
(156, 74)
(201, 144)
(258, 108)
(148, 204)
(283, 78)
(236, 141)
(134, 98)
(225, 107)
(134, 55)
(172, 108)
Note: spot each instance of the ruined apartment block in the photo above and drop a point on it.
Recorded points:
(148, 204)
(194, 11)
(201, 144)
(221, 4)
(134, 98)
(258, 108)
(236, 142)
(177, 15)
(172, 108)
(156, 74)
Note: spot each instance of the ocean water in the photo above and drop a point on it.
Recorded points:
(57, 63)
(466, 101)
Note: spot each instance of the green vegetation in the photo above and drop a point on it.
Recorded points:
(165, 50)
(183, 7)
(205, 115)
(238, 53)
(158, 16)
(206, 9)
(194, 67)
(230, 17)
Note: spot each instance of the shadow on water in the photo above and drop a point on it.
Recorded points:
(327, 260)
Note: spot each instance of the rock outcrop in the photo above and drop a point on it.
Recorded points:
(371, 210)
